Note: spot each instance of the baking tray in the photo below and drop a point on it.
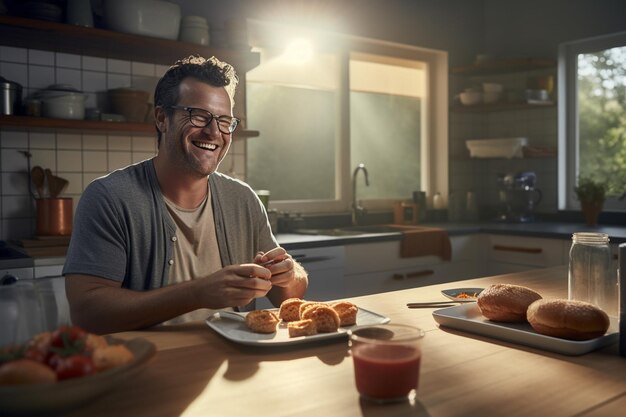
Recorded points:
(235, 329)
(467, 317)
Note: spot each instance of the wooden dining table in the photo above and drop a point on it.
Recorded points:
(197, 372)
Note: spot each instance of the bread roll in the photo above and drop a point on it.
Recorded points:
(308, 304)
(262, 321)
(111, 356)
(506, 302)
(567, 319)
(25, 371)
(325, 318)
(347, 312)
(290, 309)
(301, 328)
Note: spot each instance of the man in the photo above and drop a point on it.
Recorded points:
(170, 235)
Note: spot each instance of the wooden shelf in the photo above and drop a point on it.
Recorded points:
(525, 158)
(502, 66)
(59, 37)
(499, 107)
(90, 126)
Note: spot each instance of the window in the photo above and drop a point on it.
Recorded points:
(386, 119)
(592, 117)
(325, 103)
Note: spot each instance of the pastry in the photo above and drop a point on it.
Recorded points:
(325, 318)
(347, 312)
(262, 321)
(305, 327)
(308, 304)
(290, 309)
(567, 319)
(506, 302)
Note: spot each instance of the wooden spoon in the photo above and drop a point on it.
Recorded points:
(37, 176)
(49, 181)
(59, 186)
(56, 185)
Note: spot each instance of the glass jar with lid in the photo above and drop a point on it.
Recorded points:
(591, 277)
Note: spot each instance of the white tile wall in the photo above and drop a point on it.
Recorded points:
(538, 125)
(79, 158)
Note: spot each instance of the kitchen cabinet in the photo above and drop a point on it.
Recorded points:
(506, 253)
(58, 37)
(377, 266)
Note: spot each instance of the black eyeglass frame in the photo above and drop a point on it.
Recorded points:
(210, 118)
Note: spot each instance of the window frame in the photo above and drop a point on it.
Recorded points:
(568, 154)
(434, 157)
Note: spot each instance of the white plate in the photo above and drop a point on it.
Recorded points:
(467, 317)
(65, 395)
(235, 329)
(453, 294)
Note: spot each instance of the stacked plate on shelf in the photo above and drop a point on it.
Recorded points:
(43, 10)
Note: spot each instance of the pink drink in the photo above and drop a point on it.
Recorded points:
(386, 372)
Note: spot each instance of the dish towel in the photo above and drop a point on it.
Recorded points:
(423, 241)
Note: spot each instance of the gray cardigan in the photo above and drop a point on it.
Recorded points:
(123, 231)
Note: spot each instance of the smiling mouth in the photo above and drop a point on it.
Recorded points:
(205, 146)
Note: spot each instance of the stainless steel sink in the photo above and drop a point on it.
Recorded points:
(350, 230)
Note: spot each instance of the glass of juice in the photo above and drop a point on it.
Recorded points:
(386, 361)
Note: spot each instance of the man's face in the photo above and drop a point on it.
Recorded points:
(197, 150)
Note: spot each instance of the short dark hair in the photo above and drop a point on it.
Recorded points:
(211, 71)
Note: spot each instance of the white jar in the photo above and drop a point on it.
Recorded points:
(194, 29)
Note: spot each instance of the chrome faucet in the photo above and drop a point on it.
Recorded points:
(357, 210)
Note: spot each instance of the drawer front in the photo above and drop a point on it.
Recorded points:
(315, 259)
(395, 279)
(381, 256)
(525, 250)
(466, 247)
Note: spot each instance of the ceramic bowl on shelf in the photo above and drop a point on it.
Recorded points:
(470, 98)
(497, 148)
(62, 101)
(492, 88)
(156, 18)
(133, 104)
(491, 97)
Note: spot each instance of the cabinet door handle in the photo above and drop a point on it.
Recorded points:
(304, 259)
(416, 274)
(516, 249)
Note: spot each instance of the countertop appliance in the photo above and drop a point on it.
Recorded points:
(32, 295)
(518, 197)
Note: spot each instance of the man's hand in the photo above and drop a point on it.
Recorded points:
(279, 263)
(234, 285)
(288, 278)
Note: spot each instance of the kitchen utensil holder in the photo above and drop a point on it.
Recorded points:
(54, 216)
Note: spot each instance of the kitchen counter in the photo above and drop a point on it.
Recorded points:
(552, 230)
(196, 372)
(291, 241)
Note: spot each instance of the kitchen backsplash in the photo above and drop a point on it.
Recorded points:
(79, 158)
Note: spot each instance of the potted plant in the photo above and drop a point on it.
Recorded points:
(591, 194)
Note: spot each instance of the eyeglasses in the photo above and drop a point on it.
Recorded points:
(202, 118)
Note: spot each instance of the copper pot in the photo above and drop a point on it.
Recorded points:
(54, 216)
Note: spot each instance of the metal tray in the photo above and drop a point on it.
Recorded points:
(234, 328)
(467, 317)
